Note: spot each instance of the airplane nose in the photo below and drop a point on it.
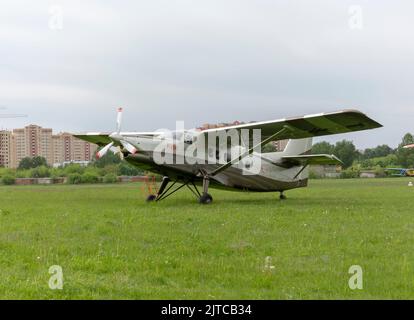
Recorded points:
(115, 136)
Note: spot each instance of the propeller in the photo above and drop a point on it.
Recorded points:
(117, 137)
(104, 150)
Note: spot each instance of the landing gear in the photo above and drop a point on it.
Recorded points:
(151, 197)
(166, 190)
(205, 198)
(282, 196)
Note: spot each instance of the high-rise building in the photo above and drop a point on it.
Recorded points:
(68, 148)
(33, 140)
(280, 145)
(5, 148)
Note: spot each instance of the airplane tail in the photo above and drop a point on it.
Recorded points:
(294, 147)
(298, 147)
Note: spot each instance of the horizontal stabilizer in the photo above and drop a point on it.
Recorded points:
(319, 159)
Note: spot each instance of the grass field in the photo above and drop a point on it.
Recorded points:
(113, 245)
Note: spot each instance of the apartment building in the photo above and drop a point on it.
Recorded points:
(280, 145)
(5, 148)
(33, 140)
(68, 148)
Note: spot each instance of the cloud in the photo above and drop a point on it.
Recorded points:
(206, 61)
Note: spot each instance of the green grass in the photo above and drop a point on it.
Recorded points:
(113, 245)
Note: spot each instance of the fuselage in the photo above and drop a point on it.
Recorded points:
(257, 172)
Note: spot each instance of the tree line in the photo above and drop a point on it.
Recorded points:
(105, 169)
(382, 156)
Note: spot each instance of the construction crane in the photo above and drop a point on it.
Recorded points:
(10, 116)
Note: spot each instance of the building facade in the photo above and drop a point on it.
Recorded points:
(5, 148)
(67, 148)
(33, 140)
(280, 145)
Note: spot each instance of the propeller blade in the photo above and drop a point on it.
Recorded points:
(119, 121)
(131, 149)
(104, 150)
(118, 151)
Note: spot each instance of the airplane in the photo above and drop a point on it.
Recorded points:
(409, 146)
(233, 170)
(401, 172)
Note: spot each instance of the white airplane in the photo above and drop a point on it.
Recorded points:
(236, 166)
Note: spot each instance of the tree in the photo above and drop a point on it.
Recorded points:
(346, 151)
(405, 157)
(39, 162)
(125, 169)
(323, 147)
(377, 152)
(407, 139)
(107, 159)
(32, 162)
(269, 147)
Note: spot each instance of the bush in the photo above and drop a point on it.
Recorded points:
(110, 178)
(8, 180)
(125, 169)
(74, 178)
(379, 172)
(40, 172)
(314, 175)
(73, 168)
(23, 173)
(350, 173)
(109, 169)
(89, 177)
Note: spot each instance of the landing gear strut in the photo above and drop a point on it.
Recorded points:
(205, 198)
(165, 190)
(282, 196)
(156, 197)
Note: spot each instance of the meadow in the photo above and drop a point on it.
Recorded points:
(112, 245)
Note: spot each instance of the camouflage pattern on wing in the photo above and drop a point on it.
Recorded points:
(310, 126)
(101, 139)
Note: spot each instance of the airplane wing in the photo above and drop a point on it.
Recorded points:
(320, 159)
(102, 139)
(308, 126)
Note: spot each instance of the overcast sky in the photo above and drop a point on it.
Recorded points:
(69, 64)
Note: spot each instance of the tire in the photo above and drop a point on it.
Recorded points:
(151, 198)
(206, 199)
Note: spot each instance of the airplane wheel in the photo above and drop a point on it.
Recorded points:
(282, 196)
(151, 197)
(206, 199)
